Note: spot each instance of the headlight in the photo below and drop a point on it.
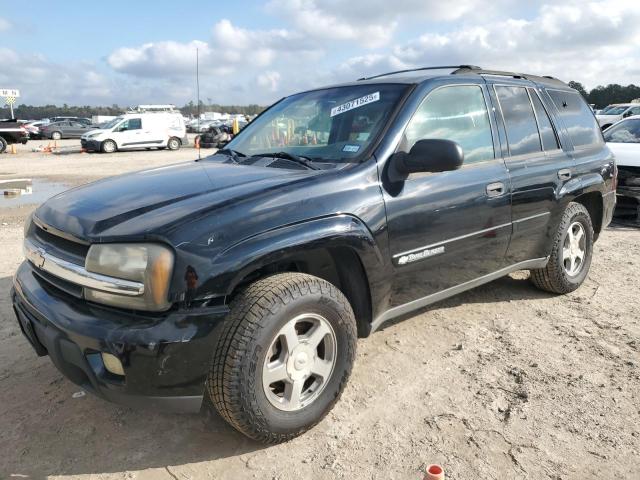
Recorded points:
(149, 263)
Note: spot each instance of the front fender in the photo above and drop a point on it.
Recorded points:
(232, 265)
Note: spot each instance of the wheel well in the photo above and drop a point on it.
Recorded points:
(592, 201)
(340, 266)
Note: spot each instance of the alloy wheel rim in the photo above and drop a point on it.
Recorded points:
(299, 362)
(574, 249)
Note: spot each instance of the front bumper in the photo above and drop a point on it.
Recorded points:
(165, 357)
(92, 145)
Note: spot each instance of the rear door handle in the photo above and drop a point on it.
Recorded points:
(564, 174)
(495, 189)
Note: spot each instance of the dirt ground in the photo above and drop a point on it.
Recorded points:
(503, 381)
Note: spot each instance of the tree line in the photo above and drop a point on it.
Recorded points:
(36, 112)
(602, 96)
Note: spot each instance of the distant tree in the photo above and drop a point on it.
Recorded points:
(579, 87)
(613, 93)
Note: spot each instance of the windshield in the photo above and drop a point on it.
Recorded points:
(613, 111)
(332, 125)
(627, 131)
(111, 123)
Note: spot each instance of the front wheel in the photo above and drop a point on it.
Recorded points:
(173, 143)
(109, 146)
(571, 253)
(3, 144)
(284, 356)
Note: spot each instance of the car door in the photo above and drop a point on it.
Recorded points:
(449, 228)
(130, 133)
(76, 129)
(538, 166)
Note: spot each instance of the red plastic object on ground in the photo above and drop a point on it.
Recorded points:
(434, 472)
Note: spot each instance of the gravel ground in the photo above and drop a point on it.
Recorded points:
(503, 381)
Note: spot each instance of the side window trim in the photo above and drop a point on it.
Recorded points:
(553, 128)
(488, 106)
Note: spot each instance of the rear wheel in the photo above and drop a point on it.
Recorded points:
(173, 143)
(3, 144)
(284, 356)
(109, 146)
(56, 136)
(570, 257)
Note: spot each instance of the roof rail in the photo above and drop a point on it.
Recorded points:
(526, 76)
(457, 67)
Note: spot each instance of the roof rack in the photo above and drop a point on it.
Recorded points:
(457, 67)
(526, 76)
(473, 69)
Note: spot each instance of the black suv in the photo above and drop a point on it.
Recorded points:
(248, 275)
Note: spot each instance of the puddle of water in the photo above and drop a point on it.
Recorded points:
(14, 193)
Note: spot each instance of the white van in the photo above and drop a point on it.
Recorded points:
(138, 130)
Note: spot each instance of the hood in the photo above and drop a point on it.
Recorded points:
(146, 203)
(94, 131)
(627, 154)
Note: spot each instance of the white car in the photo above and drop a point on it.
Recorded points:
(615, 113)
(138, 130)
(623, 140)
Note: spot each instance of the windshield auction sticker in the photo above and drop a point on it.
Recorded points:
(358, 102)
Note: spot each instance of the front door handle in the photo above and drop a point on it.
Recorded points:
(564, 174)
(495, 189)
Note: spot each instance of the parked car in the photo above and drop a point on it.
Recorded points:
(614, 113)
(138, 130)
(12, 132)
(623, 138)
(247, 276)
(84, 121)
(64, 129)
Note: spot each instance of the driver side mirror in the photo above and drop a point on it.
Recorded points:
(430, 155)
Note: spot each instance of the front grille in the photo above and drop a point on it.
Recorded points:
(628, 176)
(58, 246)
(60, 284)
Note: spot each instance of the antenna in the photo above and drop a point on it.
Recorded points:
(198, 92)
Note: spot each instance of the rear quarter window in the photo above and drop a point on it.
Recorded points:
(577, 117)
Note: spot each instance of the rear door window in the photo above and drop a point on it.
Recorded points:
(577, 118)
(547, 133)
(520, 122)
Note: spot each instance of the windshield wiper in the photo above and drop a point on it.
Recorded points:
(233, 154)
(299, 159)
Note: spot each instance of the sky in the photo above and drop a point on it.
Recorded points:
(137, 52)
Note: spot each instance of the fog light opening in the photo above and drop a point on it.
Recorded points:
(112, 364)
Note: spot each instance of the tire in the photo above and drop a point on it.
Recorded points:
(173, 143)
(3, 145)
(108, 146)
(562, 274)
(56, 136)
(251, 331)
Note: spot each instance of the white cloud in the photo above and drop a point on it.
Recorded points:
(592, 42)
(322, 42)
(269, 80)
(4, 24)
